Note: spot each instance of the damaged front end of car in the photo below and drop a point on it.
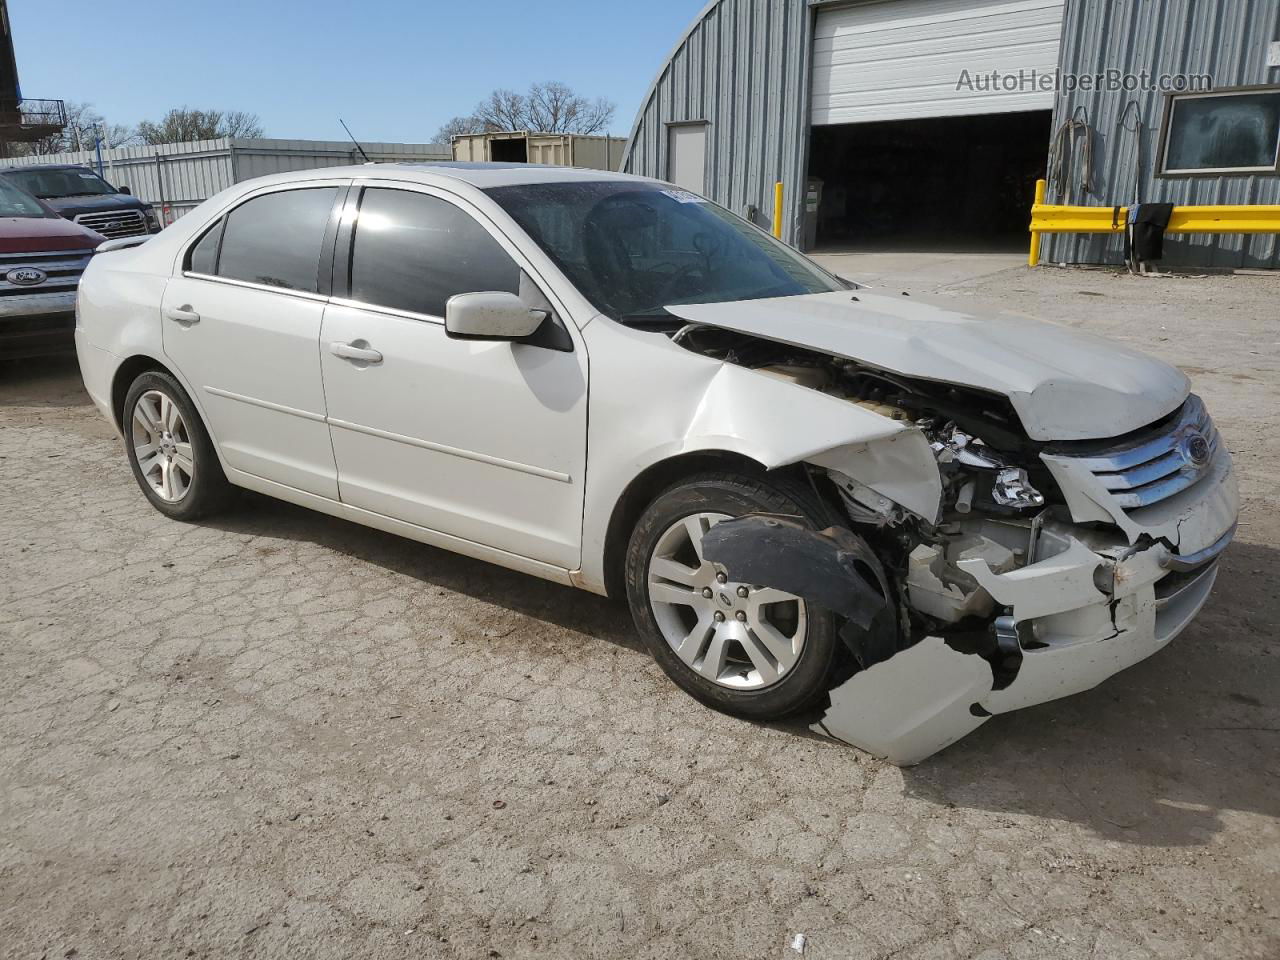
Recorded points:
(981, 571)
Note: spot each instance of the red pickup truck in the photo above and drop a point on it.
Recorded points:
(41, 258)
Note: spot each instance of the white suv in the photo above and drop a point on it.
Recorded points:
(811, 494)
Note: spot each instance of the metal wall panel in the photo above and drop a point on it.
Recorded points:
(903, 59)
(177, 177)
(1227, 39)
(743, 68)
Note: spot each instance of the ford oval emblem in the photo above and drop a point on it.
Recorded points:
(1195, 449)
(26, 276)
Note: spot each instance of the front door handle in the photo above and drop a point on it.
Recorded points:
(357, 351)
(183, 314)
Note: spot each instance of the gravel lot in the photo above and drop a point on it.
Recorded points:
(279, 734)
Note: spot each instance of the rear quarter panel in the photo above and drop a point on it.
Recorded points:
(119, 303)
(118, 317)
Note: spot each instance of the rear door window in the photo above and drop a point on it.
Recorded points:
(275, 239)
(413, 251)
(203, 257)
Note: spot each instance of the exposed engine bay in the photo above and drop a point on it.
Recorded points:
(994, 484)
(1007, 590)
(976, 434)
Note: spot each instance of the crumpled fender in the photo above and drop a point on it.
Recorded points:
(737, 410)
(778, 423)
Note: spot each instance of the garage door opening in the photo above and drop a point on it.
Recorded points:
(944, 183)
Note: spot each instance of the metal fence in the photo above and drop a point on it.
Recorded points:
(177, 177)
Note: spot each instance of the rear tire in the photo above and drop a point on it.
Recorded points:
(169, 449)
(743, 649)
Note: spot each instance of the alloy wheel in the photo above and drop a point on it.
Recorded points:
(162, 446)
(737, 635)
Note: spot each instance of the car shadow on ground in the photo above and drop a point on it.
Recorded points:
(42, 382)
(1155, 756)
(552, 603)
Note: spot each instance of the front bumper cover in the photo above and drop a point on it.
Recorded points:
(1080, 617)
(36, 324)
(28, 305)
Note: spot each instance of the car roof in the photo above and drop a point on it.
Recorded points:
(481, 175)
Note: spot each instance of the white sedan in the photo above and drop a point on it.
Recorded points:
(814, 496)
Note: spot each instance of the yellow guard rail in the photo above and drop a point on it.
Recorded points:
(1051, 218)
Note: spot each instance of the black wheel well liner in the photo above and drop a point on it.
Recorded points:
(652, 481)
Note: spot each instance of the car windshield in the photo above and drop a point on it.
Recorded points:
(15, 203)
(633, 247)
(68, 182)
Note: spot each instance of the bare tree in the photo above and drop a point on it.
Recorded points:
(458, 126)
(183, 124)
(239, 123)
(553, 107)
(503, 110)
(549, 107)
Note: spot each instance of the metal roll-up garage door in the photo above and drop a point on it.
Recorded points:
(904, 59)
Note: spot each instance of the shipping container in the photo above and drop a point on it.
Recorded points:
(556, 149)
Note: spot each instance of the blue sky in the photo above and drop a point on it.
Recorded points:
(393, 69)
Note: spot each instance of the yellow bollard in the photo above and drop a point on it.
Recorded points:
(777, 209)
(1033, 259)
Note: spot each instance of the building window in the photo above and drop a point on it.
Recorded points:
(1210, 134)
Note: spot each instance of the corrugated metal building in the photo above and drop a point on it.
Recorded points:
(1234, 42)
(928, 121)
(176, 177)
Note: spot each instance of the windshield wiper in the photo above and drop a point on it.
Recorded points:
(765, 293)
(649, 319)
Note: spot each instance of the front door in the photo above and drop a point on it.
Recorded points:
(485, 441)
(242, 326)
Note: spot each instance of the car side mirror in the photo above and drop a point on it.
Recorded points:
(124, 188)
(491, 316)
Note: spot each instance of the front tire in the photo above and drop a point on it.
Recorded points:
(169, 449)
(745, 649)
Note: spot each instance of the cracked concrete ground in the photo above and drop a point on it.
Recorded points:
(278, 734)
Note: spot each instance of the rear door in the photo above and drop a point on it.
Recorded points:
(484, 441)
(242, 325)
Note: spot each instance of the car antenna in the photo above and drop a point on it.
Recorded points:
(354, 140)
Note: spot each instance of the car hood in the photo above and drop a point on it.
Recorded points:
(38, 234)
(98, 203)
(1064, 384)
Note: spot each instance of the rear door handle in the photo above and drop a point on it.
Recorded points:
(357, 351)
(182, 314)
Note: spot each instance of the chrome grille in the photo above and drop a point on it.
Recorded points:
(1157, 463)
(115, 223)
(62, 269)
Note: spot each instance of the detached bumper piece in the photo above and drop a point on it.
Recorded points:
(1078, 617)
(1070, 621)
